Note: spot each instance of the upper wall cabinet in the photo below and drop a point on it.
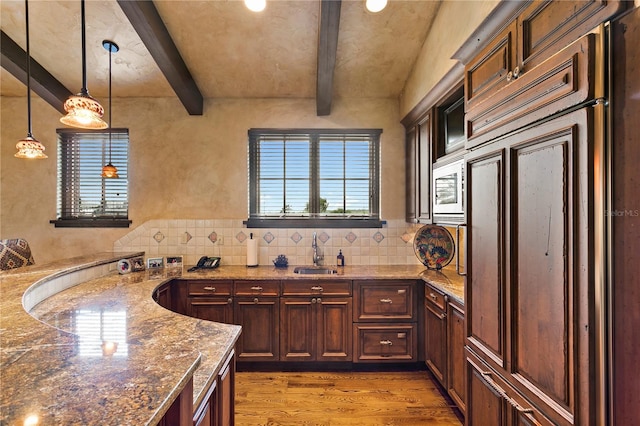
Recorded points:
(526, 69)
(418, 170)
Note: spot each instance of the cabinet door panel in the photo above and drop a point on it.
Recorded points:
(487, 73)
(218, 309)
(334, 329)
(552, 295)
(485, 405)
(412, 173)
(260, 321)
(545, 27)
(297, 333)
(486, 286)
(435, 328)
(455, 356)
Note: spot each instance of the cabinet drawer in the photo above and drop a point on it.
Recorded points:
(395, 343)
(210, 288)
(384, 301)
(564, 80)
(257, 288)
(435, 297)
(311, 288)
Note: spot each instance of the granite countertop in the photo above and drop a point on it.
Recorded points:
(446, 279)
(59, 363)
(64, 367)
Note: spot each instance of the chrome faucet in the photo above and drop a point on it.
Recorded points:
(317, 257)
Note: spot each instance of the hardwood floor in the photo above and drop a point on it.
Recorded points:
(341, 398)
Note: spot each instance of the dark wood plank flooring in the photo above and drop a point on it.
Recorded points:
(341, 398)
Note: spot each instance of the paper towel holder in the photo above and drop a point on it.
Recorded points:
(252, 251)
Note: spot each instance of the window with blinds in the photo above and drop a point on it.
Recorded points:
(85, 198)
(310, 177)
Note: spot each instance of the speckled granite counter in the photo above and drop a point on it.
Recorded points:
(447, 279)
(66, 369)
(61, 368)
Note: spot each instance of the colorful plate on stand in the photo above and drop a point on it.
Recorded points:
(434, 246)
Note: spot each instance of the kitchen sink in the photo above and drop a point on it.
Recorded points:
(314, 270)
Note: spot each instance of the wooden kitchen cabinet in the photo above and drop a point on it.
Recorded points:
(456, 383)
(524, 74)
(315, 321)
(257, 310)
(435, 330)
(210, 300)
(418, 170)
(385, 321)
(529, 308)
(218, 406)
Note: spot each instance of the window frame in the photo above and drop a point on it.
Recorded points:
(372, 220)
(65, 136)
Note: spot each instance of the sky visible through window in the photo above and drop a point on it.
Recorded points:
(343, 171)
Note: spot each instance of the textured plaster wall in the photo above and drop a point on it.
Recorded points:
(455, 22)
(181, 166)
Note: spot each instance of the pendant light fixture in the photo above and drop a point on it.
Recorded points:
(82, 110)
(29, 147)
(375, 6)
(109, 170)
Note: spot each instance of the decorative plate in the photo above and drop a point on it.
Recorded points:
(124, 266)
(434, 246)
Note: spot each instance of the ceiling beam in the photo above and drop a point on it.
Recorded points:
(45, 85)
(327, 48)
(145, 19)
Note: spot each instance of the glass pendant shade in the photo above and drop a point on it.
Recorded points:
(82, 110)
(30, 148)
(110, 171)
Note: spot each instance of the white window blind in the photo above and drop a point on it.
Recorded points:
(85, 198)
(313, 175)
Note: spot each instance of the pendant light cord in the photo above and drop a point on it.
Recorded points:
(26, 13)
(110, 114)
(84, 90)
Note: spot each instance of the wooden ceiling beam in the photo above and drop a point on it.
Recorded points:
(145, 19)
(43, 84)
(327, 48)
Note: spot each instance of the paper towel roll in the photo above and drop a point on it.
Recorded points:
(252, 252)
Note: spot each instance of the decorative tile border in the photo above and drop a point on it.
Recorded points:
(296, 237)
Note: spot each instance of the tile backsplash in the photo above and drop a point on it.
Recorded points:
(390, 245)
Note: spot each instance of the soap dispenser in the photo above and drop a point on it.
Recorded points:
(340, 259)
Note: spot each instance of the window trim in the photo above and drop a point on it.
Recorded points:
(257, 221)
(90, 222)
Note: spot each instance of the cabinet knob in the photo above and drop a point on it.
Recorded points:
(256, 288)
(433, 296)
(516, 72)
(209, 288)
(230, 300)
(510, 76)
(255, 300)
(317, 288)
(319, 300)
(313, 300)
(386, 342)
(389, 301)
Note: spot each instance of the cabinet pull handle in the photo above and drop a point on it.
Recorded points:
(503, 394)
(316, 288)
(386, 342)
(256, 288)
(389, 301)
(458, 249)
(433, 296)
(209, 288)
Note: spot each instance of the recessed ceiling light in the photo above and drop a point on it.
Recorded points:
(255, 5)
(375, 5)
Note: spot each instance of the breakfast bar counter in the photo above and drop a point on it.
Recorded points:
(82, 344)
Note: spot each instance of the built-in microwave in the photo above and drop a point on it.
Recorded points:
(448, 189)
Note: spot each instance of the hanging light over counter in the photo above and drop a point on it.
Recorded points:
(83, 111)
(29, 147)
(109, 170)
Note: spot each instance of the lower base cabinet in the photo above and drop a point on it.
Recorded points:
(218, 406)
(492, 401)
(456, 358)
